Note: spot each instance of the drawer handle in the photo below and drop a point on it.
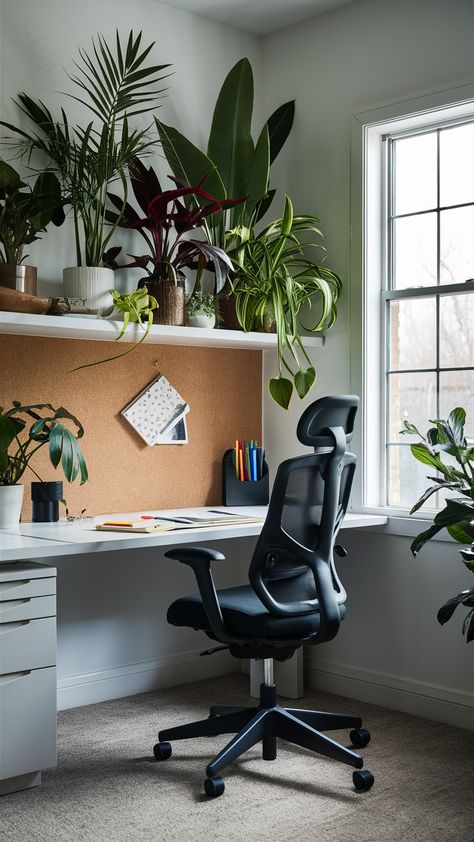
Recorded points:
(13, 676)
(13, 603)
(7, 627)
(14, 583)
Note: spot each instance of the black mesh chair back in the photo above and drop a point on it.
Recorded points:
(309, 499)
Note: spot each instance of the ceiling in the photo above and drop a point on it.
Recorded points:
(257, 16)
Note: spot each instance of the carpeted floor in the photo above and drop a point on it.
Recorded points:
(108, 788)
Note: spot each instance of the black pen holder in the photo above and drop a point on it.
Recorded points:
(243, 493)
(46, 497)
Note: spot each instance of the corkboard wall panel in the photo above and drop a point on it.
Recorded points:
(221, 386)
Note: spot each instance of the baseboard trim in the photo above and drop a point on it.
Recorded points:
(414, 697)
(130, 679)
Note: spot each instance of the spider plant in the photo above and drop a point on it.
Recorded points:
(115, 84)
(274, 279)
(135, 306)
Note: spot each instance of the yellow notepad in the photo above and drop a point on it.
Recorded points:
(136, 526)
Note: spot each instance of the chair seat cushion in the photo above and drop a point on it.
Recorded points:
(245, 615)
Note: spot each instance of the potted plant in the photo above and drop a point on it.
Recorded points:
(115, 84)
(165, 224)
(21, 437)
(201, 310)
(274, 279)
(234, 163)
(133, 308)
(25, 212)
(457, 516)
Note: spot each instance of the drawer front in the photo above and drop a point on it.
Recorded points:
(27, 645)
(26, 588)
(27, 722)
(27, 609)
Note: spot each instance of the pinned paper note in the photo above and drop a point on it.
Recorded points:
(157, 414)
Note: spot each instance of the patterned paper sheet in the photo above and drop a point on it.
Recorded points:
(156, 410)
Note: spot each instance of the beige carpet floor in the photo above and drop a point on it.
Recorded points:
(107, 787)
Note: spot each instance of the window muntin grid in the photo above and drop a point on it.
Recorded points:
(440, 373)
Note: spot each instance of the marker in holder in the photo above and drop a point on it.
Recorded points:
(246, 493)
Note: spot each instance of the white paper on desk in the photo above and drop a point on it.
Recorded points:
(156, 410)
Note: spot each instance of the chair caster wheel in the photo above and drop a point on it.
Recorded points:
(363, 780)
(214, 787)
(360, 737)
(162, 751)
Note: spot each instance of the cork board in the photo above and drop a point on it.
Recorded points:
(221, 386)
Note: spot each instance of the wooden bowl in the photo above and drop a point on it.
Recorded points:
(20, 302)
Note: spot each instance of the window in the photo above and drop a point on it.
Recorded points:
(412, 285)
(429, 292)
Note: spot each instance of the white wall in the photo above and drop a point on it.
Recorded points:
(361, 56)
(39, 41)
(113, 638)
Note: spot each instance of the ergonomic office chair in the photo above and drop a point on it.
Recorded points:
(295, 597)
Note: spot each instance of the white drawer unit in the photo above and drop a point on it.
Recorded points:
(27, 673)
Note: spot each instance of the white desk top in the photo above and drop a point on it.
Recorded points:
(46, 540)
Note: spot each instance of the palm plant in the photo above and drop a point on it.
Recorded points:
(274, 279)
(115, 84)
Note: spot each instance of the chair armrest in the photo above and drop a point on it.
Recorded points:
(199, 559)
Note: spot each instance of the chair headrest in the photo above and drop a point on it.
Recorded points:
(331, 411)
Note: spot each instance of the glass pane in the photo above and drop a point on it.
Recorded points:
(412, 398)
(457, 389)
(415, 173)
(407, 478)
(456, 165)
(413, 333)
(415, 251)
(456, 245)
(456, 317)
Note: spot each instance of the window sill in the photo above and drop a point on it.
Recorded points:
(400, 524)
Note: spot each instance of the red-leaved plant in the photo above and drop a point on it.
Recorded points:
(168, 218)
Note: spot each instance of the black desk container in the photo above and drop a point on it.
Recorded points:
(46, 497)
(237, 493)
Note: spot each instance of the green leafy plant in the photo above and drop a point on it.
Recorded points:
(200, 303)
(273, 281)
(115, 84)
(25, 211)
(234, 165)
(136, 306)
(447, 438)
(18, 444)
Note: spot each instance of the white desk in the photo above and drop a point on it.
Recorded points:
(46, 541)
(36, 541)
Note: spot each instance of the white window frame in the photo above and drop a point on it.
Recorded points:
(368, 278)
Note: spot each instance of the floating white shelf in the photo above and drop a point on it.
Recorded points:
(64, 327)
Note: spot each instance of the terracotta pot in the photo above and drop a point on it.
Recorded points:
(170, 297)
(20, 278)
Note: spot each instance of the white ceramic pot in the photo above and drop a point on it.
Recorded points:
(93, 283)
(201, 320)
(11, 501)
